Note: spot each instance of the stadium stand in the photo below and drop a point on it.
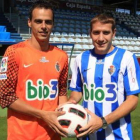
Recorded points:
(9, 33)
(4, 35)
(4, 21)
(72, 26)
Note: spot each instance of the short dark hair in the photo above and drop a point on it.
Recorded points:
(103, 18)
(40, 4)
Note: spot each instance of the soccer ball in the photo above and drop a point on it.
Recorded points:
(74, 118)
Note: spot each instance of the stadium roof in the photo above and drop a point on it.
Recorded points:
(129, 4)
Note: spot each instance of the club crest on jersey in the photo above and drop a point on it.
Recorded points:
(111, 70)
(57, 66)
(43, 59)
(3, 66)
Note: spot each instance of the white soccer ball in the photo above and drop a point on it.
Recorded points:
(74, 118)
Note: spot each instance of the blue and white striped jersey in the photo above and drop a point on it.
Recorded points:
(105, 81)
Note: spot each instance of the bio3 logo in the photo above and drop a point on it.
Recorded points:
(41, 91)
(107, 93)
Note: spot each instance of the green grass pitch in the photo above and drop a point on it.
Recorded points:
(135, 124)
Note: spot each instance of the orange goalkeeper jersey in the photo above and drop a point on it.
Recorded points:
(36, 77)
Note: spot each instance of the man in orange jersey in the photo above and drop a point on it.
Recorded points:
(33, 77)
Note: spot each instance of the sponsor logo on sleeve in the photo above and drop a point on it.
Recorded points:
(132, 75)
(3, 66)
(3, 76)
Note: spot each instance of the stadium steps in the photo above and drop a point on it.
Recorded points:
(25, 36)
(4, 21)
(10, 28)
(19, 22)
(130, 30)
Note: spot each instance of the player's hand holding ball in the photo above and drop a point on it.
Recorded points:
(74, 118)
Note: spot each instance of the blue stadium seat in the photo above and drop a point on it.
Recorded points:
(84, 35)
(85, 46)
(85, 41)
(78, 40)
(71, 40)
(56, 39)
(78, 34)
(63, 39)
(77, 30)
(77, 46)
(56, 34)
(4, 35)
(71, 30)
(64, 34)
(7, 40)
(71, 34)
(65, 29)
(2, 28)
(57, 29)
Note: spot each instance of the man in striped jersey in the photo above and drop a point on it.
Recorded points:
(108, 79)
